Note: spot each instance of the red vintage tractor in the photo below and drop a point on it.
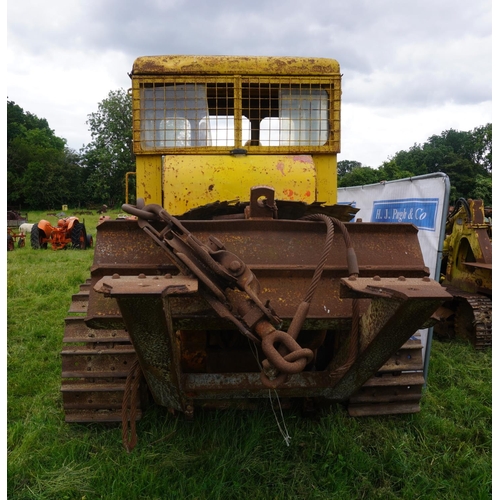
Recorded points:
(69, 233)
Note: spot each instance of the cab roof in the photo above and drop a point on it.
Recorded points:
(235, 65)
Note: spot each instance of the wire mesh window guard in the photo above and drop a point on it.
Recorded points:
(268, 114)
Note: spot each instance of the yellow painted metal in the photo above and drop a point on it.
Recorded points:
(326, 178)
(183, 178)
(468, 249)
(234, 65)
(148, 178)
(194, 181)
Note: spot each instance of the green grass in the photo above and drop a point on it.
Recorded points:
(443, 452)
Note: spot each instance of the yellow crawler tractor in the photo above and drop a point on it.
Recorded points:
(467, 274)
(241, 274)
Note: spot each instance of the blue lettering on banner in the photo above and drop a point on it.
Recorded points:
(421, 212)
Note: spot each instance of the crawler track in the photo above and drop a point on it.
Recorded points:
(95, 365)
(473, 318)
(470, 318)
(396, 388)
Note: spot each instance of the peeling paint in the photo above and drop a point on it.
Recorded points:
(205, 179)
(303, 159)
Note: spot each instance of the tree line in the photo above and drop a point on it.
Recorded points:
(465, 157)
(43, 173)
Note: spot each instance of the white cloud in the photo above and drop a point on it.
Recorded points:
(411, 69)
(66, 88)
(371, 136)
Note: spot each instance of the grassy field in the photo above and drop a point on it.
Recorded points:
(443, 452)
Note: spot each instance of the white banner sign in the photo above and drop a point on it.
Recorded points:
(422, 201)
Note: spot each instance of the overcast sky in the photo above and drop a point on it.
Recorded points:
(412, 68)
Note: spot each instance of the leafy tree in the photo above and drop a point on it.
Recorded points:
(483, 189)
(53, 180)
(391, 171)
(360, 176)
(39, 165)
(346, 166)
(483, 154)
(19, 121)
(464, 156)
(109, 155)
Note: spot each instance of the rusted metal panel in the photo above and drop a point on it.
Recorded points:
(394, 288)
(403, 360)
(389, 408)
(149, 325)
(77, 331)
(79, 302)
(416, 300)
(289, 257)
(394, 379)
(147, 285)
(295, 247)
(188, 353)
(383, 395)
(153, 334)
(104, 362)
(84, 395)
(89, 416)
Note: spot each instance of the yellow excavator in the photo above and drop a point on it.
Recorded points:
(466, 273)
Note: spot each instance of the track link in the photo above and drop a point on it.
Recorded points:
(397, 386)
(95, 366)
(473, 319)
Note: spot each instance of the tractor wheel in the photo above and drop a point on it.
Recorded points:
(90, 241)
(36, 238)
(79, 236)
(10, 243)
